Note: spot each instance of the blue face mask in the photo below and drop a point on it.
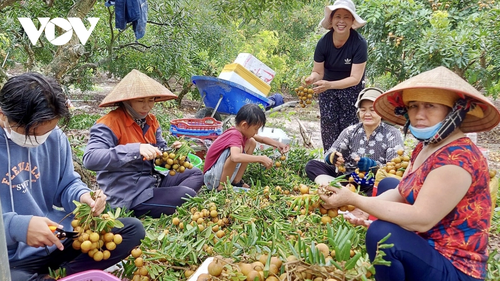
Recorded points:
(425, 133)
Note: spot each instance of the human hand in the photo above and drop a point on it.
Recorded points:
(176, 144)
(40, 235)
(336, 158)
(283, 148)
(321, 86)
(357, 217)
(309, 80)
(148, 151)
(366, 164)
(266, 161)
(334, 197)
(97, 205)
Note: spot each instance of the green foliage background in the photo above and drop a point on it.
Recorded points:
(404, 37)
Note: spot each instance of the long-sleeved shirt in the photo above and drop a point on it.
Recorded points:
(38, 181)
(113, 152)
(381, 146)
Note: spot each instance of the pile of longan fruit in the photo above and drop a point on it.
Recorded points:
(305, 95)
(96, 244)
(176, 163)
(205, 218)
(224, 268)
(398, 164)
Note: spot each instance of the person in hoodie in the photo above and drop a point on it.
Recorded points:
(123, 145)
(39, 184)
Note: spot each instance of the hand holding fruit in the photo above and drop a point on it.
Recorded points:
(98, 204)
(335, 197)
(148, 151)
(266, 161)
(39, 234)
(335, 158)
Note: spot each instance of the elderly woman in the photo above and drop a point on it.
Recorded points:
(439, 214)
(123, 145)
(366, 146)
(339, 68)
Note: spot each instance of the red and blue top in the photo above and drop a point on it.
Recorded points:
(462, 235)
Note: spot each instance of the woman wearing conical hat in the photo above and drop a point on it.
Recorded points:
(439, 214)
(123, 145)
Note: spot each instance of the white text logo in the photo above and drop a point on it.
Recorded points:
(49, 25)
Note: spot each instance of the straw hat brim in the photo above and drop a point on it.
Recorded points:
(327, 24)
(136, 85)
(441, 78)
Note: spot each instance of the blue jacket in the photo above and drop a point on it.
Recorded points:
(42, 183)
(134, 11)
(113, 152)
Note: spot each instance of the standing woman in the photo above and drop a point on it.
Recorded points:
(339, 67)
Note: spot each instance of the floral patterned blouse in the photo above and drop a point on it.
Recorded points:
(462, 235)
(381, 146)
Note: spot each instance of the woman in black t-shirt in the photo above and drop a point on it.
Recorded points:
(339, 66)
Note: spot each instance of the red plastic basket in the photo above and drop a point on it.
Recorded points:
(207, 123)
(91, 275)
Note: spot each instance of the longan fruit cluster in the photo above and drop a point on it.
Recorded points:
(142, 273)
(328, 214)
(305, 95)
(398, 164)
(98, 245)
(176, 163)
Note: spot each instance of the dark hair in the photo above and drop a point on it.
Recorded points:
(252, 114)
(31, 99)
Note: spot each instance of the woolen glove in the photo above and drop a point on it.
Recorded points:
(331, 158)
(365, 164)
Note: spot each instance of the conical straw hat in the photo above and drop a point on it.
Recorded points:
(440, 78)
(137, 85)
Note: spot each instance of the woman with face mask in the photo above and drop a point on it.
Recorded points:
(39, 183)
(438, 217)
(123, 145)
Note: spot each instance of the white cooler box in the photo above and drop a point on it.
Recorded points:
(238, 74)
(248, 61)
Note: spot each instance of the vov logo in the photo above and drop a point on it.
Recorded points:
(49, 26)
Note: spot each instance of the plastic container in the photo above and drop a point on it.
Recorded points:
(204, 128)
(232, 96)
(248, 61)
(91, 275)
(238, 74)
(275, 134)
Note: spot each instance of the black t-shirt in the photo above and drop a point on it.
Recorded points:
(339, 61)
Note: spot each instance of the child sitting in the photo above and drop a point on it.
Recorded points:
(229, 155)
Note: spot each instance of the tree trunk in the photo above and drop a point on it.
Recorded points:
(67, 55)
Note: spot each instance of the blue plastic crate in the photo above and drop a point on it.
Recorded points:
(234, 96)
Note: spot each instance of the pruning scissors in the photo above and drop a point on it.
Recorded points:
(63, 234)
